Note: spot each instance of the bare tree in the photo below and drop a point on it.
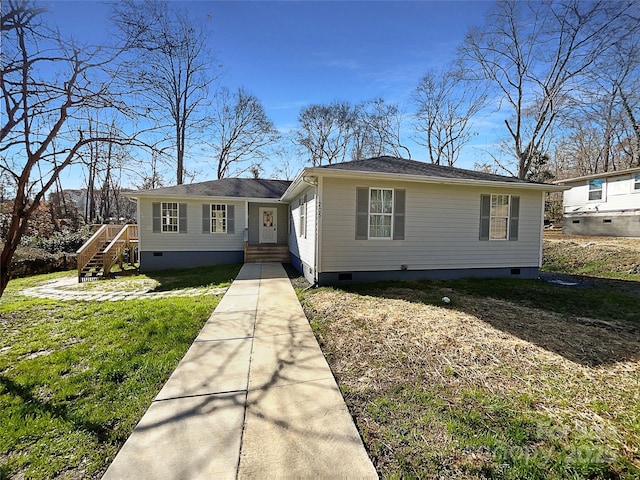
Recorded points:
(534, 54)
(48, 88)
(325, 132)
(445, 106)
(376, 130)
(241, 131)
(170, 69)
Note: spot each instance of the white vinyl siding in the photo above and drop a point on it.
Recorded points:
(193, 238)
(303, 246)
(619, 194)
(441, 230)
(169, 217)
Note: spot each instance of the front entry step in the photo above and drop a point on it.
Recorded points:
(267, 253)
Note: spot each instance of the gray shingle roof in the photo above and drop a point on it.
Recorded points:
(402, 166)
(225, 187)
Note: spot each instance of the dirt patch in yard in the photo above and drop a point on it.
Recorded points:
(481, 386)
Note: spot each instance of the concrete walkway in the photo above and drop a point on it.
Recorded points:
(252, 398)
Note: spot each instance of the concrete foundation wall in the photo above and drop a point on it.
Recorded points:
(156, 261)
(337, 278)
(614, 225)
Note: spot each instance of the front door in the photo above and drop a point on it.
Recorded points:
(268, 225)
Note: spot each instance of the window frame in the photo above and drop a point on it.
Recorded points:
(635, 183)
(212, 218)
(302, 206)
(493, 216)
(165, 218)
(381, 214)
(595, 190)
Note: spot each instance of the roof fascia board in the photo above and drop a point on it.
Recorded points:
(297, 184)
(433, 180)
(206, 198)
(617, 173)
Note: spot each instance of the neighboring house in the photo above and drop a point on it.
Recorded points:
(603, 204)
(381, 218)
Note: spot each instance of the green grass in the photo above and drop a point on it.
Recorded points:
(75, 377)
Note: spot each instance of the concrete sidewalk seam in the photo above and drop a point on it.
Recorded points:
(246, 400)
(201, 395)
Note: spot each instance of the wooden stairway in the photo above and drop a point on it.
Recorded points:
(267, 253)
(103, 249)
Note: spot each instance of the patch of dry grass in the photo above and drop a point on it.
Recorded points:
(607, 257)
(482, 387)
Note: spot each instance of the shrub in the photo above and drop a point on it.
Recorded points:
(68, 242)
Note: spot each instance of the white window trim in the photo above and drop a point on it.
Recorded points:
(163, 217)
(211, 210)
(302, 205)
(393, 193)
(508, 217)
(601, 190)
(635, 183)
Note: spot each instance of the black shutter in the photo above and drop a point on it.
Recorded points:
(398, 214)
(485, 216)
(206, 218)
(231, 221)
(362, 213)
(182, 217)
(157, 217)
(514, 217)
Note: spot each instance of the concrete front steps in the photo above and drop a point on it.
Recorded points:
(267, 253)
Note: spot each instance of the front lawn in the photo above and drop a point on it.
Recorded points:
(76, 376)
(511, 379)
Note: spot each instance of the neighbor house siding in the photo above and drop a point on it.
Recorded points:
(302, 246)
(441, 230)
(617, 213)
(194, 239)
(618, 194)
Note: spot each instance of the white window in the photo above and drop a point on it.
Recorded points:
(499, 217)
(302, 203)
(595, 189)
(218, 218)
(169, 216)
(636, 181)
(380, 212)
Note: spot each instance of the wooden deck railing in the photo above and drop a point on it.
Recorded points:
(127, 236)
(103, 236)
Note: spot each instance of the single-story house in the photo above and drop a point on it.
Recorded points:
(602, 204)
(380, 218)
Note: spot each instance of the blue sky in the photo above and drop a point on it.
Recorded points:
(292, 54)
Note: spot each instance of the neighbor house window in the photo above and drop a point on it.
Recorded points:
(169, 216)
(302, 203)
(595, 189)
(636, 181)
(499, 220)
(218, 218)
(499, 217)
(380, 212)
